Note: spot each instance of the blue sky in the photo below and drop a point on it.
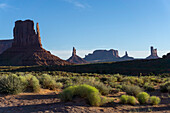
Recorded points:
(125, 25)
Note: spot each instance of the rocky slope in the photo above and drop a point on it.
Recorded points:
(76, 59)
(27, 48)
(4, 45)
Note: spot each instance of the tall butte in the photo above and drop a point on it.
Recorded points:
(76, 59)
(153, 54)
(27, 48)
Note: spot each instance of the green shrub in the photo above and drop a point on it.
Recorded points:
(143, 97)
(11, 84)
(164, 88)
(58, 85)
(48, 82)
(103, 89)
(32, 83)
(132, 100)
(125, 99)
(155, 100)
(131, 89)
(85, 91)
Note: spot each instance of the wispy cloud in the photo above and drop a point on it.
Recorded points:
(3, 5)
(77, 3)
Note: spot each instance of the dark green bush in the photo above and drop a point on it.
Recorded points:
(148, 87)
(143, 97)
(155, 100)
(165, 87)
(32, 83)
(11, 84)
(131, 89)
(84, 91)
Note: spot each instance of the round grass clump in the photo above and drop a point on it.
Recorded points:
(154, 100)
(132, 100)
(84, 91)
(124, 99)
(143, 97)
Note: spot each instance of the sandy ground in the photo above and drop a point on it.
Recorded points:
(48, 102)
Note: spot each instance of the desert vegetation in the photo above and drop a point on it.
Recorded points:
(93, 87)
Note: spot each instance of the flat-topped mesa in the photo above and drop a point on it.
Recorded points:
(103, 56)
(74, 52)
(25, 35)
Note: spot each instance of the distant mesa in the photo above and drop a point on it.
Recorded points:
(76, 59)
(153, 54)
(103, 56)
(126, 57)
(106, 56)
(26, 48)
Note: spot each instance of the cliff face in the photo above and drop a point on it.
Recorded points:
(103, 56)
(153, 54)
(76, 59)
(25, 35)
(27, 48)
(4, 45)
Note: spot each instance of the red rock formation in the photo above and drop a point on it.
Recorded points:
(4, 45)
(153, 54)
(76, 59)
(27, 48)
(25, 35)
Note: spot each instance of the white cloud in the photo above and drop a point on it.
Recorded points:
(136, 54)
(77, 3)
(3, 5)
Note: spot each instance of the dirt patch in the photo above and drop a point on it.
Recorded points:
(48, 102)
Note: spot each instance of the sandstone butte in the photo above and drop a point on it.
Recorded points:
(76, 59)
(27, 49)
(154, 54)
